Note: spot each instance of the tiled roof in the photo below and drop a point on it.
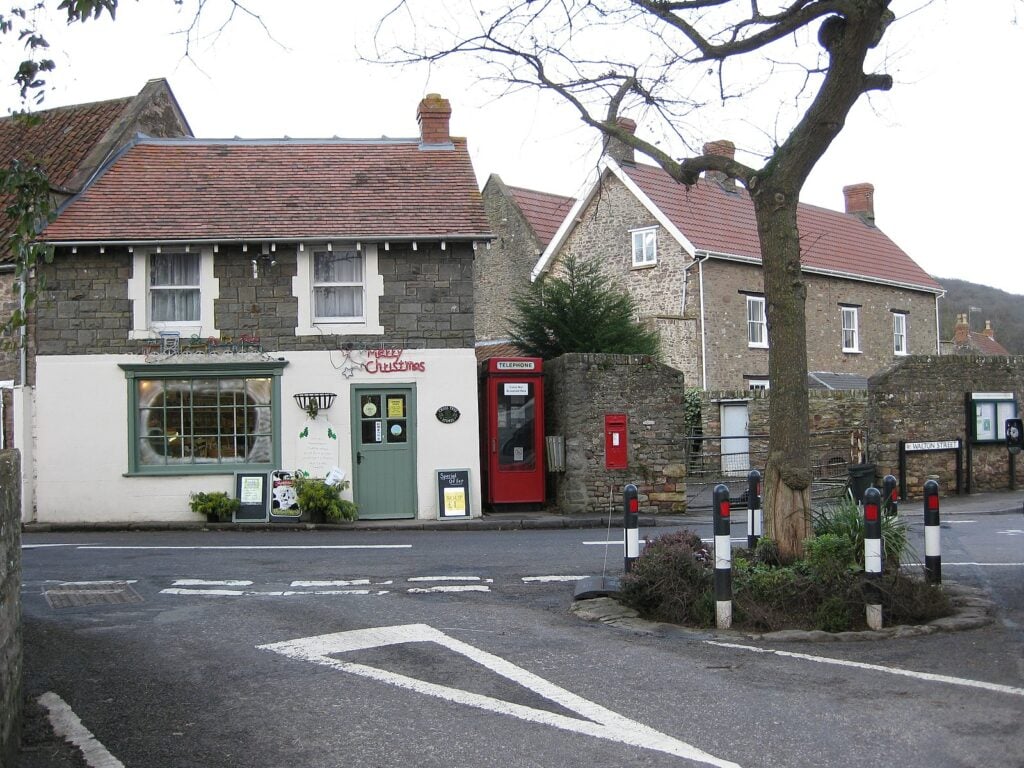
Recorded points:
(182, 189)
(487, 350)
(980, 344)
(59, 139)
(722, 222)
(543, 211)
(56, 139)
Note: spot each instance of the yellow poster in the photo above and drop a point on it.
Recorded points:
(455, 501)
(396, 408)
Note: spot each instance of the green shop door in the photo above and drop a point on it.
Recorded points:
(384, 447)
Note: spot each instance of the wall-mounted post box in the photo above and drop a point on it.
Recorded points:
(615, 456)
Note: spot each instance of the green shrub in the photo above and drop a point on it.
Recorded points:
(214, 504)
(672, 581)
(320, 499)
(829, 558)
(845, 519)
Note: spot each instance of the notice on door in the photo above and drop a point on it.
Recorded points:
(452, 493)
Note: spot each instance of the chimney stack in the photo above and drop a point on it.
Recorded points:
(433, 115)
(860, 200)
(722, 148)
(961, 331)
(617, 150)
(988, 329)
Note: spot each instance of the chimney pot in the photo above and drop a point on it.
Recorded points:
(860, 200)
(988, 329)
(433, 115)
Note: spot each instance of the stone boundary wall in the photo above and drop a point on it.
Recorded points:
(579, 390)
(924, 399)
(10, 606)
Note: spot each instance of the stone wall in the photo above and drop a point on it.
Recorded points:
(670, 292)
(579, 390)
(10, 606)
(503, 270)
(427, 301)
(834, 416)
(925, 399)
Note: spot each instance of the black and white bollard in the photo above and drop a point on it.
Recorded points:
(723, 558)
(631, 524)
(890, 496)
(755, 515)
(932, 534)
(873, 556)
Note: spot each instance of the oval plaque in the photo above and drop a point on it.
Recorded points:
(448, 414)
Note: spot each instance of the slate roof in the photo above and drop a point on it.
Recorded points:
(722, 223)
(543, 211)
(836, 381)
(188, 189)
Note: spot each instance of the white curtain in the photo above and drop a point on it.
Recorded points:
(174, 287)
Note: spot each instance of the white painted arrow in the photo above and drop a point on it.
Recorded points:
(600, 722)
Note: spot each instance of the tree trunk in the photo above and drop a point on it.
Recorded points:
(787, 471)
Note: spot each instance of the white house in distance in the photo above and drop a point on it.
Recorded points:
(204, 292)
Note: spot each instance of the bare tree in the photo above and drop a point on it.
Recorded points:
(660, 58)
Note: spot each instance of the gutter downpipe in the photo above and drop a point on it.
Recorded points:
(938, 338)
(700, 258)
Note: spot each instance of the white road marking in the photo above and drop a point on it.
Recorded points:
(552, 578)
(957, 522)
(205, 583)
(47, 546)
(980, 565)
(68, 725)
(617, 543)
(91, 583)
(599, 722)
(311, 546)
(268, 593)
(443, 578)
(928, 676)
(1011, 532)
(452, 588)
(337, 583)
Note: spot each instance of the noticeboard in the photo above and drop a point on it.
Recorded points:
(452, 493)
(252, 489)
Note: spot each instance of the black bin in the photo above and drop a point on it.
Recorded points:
(861, 478)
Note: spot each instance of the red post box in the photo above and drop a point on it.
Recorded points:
(512, 422)
(615, 456)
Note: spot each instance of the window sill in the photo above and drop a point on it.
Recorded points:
(649, 265)
(756, 346)
(339, 329)
(852, 352)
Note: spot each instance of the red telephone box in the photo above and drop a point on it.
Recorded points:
(512, 421)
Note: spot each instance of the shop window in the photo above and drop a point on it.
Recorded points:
(220, 419)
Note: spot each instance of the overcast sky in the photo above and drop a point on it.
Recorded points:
(943, 148)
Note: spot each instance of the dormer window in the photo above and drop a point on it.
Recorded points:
(645, 247)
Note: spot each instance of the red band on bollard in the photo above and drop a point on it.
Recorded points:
(871, 512)
(723, 509)
(634, 506)
(933, 502)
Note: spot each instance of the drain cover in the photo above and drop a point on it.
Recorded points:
(81, 593)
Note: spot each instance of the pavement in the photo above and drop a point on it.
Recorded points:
(995, 502)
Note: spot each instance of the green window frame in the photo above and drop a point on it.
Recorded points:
(217, 418)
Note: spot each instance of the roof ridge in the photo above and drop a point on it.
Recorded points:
(75, 107)
(283, 141)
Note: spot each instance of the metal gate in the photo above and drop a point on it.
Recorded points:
(706, 455)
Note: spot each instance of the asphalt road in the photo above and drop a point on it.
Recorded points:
(457, 649)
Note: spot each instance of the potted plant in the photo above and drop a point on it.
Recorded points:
(322, 502)
(216, 505)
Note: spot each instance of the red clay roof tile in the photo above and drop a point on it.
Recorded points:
(544, 211)
(722, 222)
(194, 189)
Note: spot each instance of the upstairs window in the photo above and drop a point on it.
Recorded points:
(337, 286)
(174, 289)
(899, 334)
(757, 328)
(851, 336)
(645, 247)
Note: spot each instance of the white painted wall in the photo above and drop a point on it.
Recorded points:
(81, 432)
